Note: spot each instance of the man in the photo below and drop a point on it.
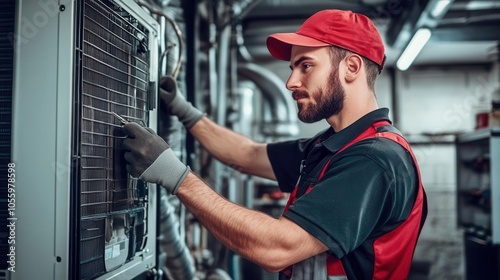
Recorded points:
(357, 204)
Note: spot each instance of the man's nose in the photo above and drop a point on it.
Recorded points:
(293, 82)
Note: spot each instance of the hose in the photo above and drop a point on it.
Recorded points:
(179, 263)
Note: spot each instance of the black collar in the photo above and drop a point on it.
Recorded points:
(334, 141)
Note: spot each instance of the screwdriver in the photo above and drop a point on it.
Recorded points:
(122, 119)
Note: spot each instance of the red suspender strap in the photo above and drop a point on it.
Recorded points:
(388, 249)
(370, 132)
(334, 265)
(291, 199)
(393, 246)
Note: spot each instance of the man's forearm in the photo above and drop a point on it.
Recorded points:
(271, 243)
(233, 149)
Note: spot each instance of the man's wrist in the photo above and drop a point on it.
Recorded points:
(192, 119)
(181, 180)
(167, 170)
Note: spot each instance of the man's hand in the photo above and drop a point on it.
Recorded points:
(151, 159)
(176, 104)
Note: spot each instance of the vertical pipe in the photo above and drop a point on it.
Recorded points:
(179, 263)
(394, 95)
(191, 65)
(223, 61)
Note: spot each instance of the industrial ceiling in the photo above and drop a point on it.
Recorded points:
(463, 32)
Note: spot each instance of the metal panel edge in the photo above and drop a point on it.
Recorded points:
(63, 137)
(38, 147)
(495, 184)
(8, 273)
(139, 13)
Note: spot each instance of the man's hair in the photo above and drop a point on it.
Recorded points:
(371, 68)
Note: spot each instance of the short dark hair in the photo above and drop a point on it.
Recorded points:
(371, 68)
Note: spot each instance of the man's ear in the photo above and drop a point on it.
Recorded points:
(354, 63)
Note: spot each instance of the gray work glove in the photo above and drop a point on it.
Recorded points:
(150, 158)
(176, 104)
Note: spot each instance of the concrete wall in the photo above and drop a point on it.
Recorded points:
(440, 102)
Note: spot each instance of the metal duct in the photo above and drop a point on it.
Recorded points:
(284, 120)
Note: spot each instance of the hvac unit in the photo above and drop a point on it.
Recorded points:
(79, 215)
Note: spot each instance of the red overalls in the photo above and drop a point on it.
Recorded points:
(393, 251)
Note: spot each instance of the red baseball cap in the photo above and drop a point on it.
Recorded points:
(351, 31)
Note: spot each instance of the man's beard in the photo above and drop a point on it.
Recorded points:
(328, 103)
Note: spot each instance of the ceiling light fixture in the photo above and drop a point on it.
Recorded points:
(413, 48)
(481, 5)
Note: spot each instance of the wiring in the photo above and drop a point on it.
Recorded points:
(177, 32)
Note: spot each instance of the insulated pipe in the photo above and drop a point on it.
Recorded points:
(223, 63)
(177, 32)
(274, 91)
(179, 263)
(239, 9)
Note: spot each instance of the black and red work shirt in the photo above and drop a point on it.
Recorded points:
(368, 190)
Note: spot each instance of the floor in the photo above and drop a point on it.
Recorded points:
(441, 260)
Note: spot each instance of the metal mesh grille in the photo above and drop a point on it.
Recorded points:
(92, 242)
(115, 78)
(7, 12)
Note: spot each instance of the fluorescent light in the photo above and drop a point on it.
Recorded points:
(440, 8)
(483, 5)
(413, 49)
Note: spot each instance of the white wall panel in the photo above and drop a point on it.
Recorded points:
(437, 101)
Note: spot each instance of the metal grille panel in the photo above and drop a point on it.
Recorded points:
(115, 75)
(91, 253)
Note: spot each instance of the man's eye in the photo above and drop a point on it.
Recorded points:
(306, 66)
